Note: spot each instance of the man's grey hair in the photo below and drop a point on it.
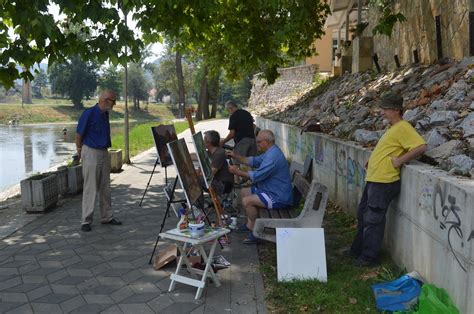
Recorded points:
(267, 135)
(213, 137)
(231, 103)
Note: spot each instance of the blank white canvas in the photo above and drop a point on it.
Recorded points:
(301, 254)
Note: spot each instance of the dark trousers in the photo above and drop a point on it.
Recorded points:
(371, 218)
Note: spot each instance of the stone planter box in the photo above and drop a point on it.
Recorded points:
(75, 179)
(116, 163)
(39, 193)
(62, 178)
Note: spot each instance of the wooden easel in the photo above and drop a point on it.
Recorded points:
(212, 192)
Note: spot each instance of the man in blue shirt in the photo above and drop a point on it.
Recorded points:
(271, 182)
(92, 141)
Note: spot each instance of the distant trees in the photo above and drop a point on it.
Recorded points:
(111, 79)
(75, 79)
(138, 85)
(39, 82)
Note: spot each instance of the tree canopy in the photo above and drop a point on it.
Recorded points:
(74, 78)
(239, 36)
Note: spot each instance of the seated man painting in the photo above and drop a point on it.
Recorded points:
(223, 180)
(271, 182)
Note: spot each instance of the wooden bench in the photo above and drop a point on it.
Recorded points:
(312, 214)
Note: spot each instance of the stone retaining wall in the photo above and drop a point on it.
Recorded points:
(419, 31)
(430, 228)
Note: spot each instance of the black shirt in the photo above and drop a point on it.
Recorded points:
(241, 121)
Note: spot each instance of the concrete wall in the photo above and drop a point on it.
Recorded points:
(430, 227)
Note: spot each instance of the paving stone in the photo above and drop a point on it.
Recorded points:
(7, 284)
(4, 267)
(201, 310)
(91, 308)
(13, 297)
(46, 308)
(180, 307)
(110, 280)
(119, 265)
(65, 289)
(140, 298)
(103, 289)
(50, 264)
(54, 298)
(8, 271)
(60, 274)
(122, 294)
(25, 258)
(39, 292)
(98, 299)
(86, 264)
(100, 268)
(34, 279)
(70, 280)
(72, 303)
(26, 287)
(40, 271)
(112, 310)
(145, 288)
(132, 276)
(23, 309)
(7, 306)
(137, 308)
(71, 261)
(79, 272)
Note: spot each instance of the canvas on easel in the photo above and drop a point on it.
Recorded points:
(162, 135)
(203, 158)
(184, 167)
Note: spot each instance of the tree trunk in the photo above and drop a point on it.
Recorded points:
(181, 91)
(214, 109)
(26, 92)
(204, 95)
(198, 115)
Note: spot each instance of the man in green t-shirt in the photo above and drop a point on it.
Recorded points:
(400, 144)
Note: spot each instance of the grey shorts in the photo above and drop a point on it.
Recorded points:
(245, 147)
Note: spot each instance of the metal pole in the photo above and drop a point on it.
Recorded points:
(125, 116)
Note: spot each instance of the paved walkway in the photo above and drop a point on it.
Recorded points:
(50, 266)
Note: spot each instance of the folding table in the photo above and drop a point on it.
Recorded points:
(183, 239)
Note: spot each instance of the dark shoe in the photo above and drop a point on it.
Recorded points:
(349, 253)
(86, 227)
(113, 221)
(250, 239)
(362, 262)
(242, 229)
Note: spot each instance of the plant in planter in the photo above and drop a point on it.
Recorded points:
(115, 156)
(39, 192)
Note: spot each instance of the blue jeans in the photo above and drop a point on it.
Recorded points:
(371, 218)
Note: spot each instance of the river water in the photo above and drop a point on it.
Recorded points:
(28, 149)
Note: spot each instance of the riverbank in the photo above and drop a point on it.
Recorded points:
(63, 112)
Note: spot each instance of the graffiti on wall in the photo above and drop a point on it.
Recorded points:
(292, 140)
(318, 150)
(350, 169)
(425, 201)
(449, 216)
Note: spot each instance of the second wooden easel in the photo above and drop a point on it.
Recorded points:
(215, 199)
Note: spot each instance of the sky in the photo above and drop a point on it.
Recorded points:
(157, 49)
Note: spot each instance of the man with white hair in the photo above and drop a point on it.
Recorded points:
(271, 182)
(92, 142)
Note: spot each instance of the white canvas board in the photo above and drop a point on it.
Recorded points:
(301, 254)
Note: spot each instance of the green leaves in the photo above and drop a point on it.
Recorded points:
(240, 36)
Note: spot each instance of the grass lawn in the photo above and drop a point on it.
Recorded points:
(348, 287)
(140, 137)
(61, 110)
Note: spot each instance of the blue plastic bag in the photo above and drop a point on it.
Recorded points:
(398, 295)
